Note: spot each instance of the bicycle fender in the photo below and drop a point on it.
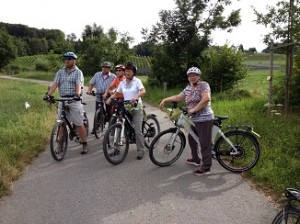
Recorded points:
(249, 133)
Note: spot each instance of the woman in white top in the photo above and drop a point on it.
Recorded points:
(133, 89)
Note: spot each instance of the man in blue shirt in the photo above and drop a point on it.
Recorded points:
(101, 80)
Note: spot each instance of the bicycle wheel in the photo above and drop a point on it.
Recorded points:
(86, 123)
(150, 129)
(59, 141)
(247, 154)
(167, 147)
(115, 148)
(99, 123)
(290, 216)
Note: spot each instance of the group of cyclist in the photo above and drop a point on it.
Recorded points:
(69, 81)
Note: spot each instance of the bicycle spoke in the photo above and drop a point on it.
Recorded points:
(243, 156)
(166, 148)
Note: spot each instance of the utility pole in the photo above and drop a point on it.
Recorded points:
(270, 78)
(289, 59)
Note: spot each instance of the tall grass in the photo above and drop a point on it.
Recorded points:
(24, 133)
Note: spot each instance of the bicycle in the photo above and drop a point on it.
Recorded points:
(237, 150)
(290, 213)
(99, 117)
(121, 132)
(64, 129)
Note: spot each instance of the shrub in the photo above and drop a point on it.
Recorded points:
(42, 66)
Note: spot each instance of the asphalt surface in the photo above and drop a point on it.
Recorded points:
(87, 189)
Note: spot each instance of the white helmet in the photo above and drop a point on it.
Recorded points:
(193, 70)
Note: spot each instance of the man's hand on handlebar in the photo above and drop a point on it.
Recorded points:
(76, 98)
(48, 98)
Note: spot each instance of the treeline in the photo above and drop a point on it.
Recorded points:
(94, 46)
(32, 41)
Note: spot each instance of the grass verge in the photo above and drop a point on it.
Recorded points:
(24, 133)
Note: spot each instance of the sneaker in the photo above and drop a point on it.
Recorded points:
(193, 162)
(84, 149)
(140, 156)
(202, 171)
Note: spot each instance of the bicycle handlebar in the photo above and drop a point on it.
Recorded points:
(125, 102)
(68, 100)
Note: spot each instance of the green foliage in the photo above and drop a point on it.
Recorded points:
(182, 35)
(279, 91)
(50, 62)
(32, 41)
(42, 66)
(278, 19)
(98, 46)
(222, 67)
(7, 49)
(23, 132)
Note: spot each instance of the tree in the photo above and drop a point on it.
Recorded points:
(252, 50)
(284, 21)
(183, 34)
(8, 50)
(98, 46)
(222, 67)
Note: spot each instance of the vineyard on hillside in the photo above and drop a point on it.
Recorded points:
(143, 63)
(29, 63)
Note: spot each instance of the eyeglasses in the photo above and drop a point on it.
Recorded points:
(68, 59)
(119, 70)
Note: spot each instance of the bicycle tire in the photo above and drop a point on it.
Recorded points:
(160, 152)
(86, 123)
(248, 151)
(99, 123)
(150, 129)
(58, 147)
(112, 149)
(293, 216)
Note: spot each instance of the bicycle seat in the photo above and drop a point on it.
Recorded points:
(221, 117)
(293, 193)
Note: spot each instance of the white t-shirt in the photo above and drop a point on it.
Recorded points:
(132, 89)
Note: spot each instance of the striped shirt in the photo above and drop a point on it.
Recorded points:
(193, 97)
(67, 80)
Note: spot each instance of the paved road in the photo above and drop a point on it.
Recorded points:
(87, 189)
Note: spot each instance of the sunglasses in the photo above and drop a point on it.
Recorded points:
(119, 70)
(68, 59)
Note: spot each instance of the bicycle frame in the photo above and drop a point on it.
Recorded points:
(124, 118)
(185, 122)
(64, 117)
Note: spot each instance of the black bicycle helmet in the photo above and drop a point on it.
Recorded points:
(131, 66)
